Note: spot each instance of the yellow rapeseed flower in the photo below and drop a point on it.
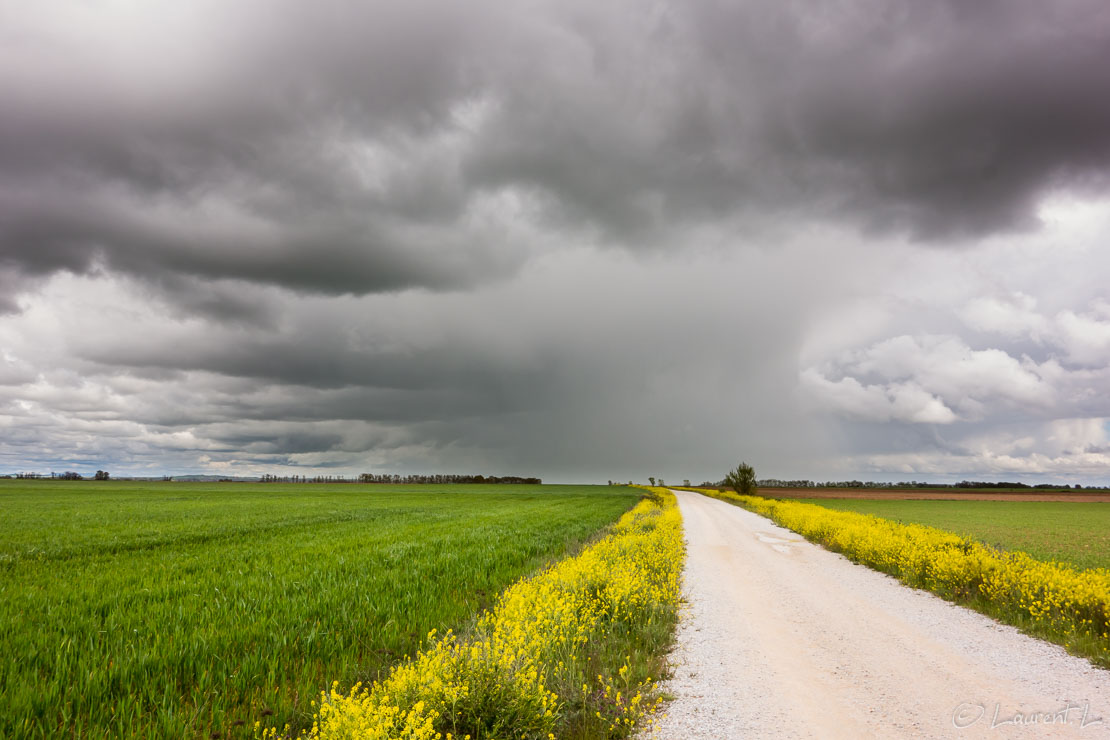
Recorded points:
(533, 639)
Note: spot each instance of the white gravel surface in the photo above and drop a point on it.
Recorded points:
(783, 639)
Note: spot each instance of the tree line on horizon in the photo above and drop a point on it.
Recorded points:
(392, 478)
(67, 475)
(778, 483)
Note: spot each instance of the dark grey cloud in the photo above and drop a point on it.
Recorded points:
(343, 150)
(571, 371)
(269, 145)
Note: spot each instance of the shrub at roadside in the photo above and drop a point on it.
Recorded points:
(1052, 600)
(567, 653)
(742, 480)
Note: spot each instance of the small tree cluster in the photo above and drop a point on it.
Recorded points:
(446, 478)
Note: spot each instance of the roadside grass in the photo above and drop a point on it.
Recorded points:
(196, 610)
(1054, 601)
(1074, 533)
(571, 652)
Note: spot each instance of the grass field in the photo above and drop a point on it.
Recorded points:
(1075, 533)
(193, 610)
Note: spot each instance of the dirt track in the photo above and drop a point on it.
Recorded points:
(784, 639)
(926, 494)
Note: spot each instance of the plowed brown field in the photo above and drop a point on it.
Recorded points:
(945, 495)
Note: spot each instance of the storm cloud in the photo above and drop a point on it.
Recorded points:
(558, 238)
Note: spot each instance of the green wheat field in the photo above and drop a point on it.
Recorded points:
(132, 609)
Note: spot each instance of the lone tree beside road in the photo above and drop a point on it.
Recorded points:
(742, 480)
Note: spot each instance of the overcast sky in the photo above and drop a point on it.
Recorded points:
(575, 239)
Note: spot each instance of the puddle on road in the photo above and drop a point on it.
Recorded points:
(777, 543)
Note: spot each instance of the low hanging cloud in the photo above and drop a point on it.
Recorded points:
(903, 401)
(929, 379)
(1017, 384)
(1064, 449)
(1080, 337)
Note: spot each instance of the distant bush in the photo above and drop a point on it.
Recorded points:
(742, 480)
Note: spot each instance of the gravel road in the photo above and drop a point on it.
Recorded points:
(783, 639)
